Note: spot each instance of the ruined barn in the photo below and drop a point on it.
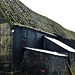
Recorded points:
(28, 43)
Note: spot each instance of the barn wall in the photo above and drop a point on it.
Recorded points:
(49, 45)
(31, 38)
(36, 62)
(25, 37)
(72, 61)
(5, 46)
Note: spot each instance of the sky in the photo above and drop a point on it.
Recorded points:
(60, 11)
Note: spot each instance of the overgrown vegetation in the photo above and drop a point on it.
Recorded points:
(15, 11)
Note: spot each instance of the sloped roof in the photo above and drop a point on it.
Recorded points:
(14, 11)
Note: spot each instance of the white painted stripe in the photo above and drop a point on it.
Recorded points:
(68, 48)
(46, 51)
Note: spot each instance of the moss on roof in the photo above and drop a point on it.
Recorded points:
(15, 11)
(2, 16)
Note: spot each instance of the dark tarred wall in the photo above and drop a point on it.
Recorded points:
(34, 39)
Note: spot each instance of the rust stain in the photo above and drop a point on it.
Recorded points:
(42, 70)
